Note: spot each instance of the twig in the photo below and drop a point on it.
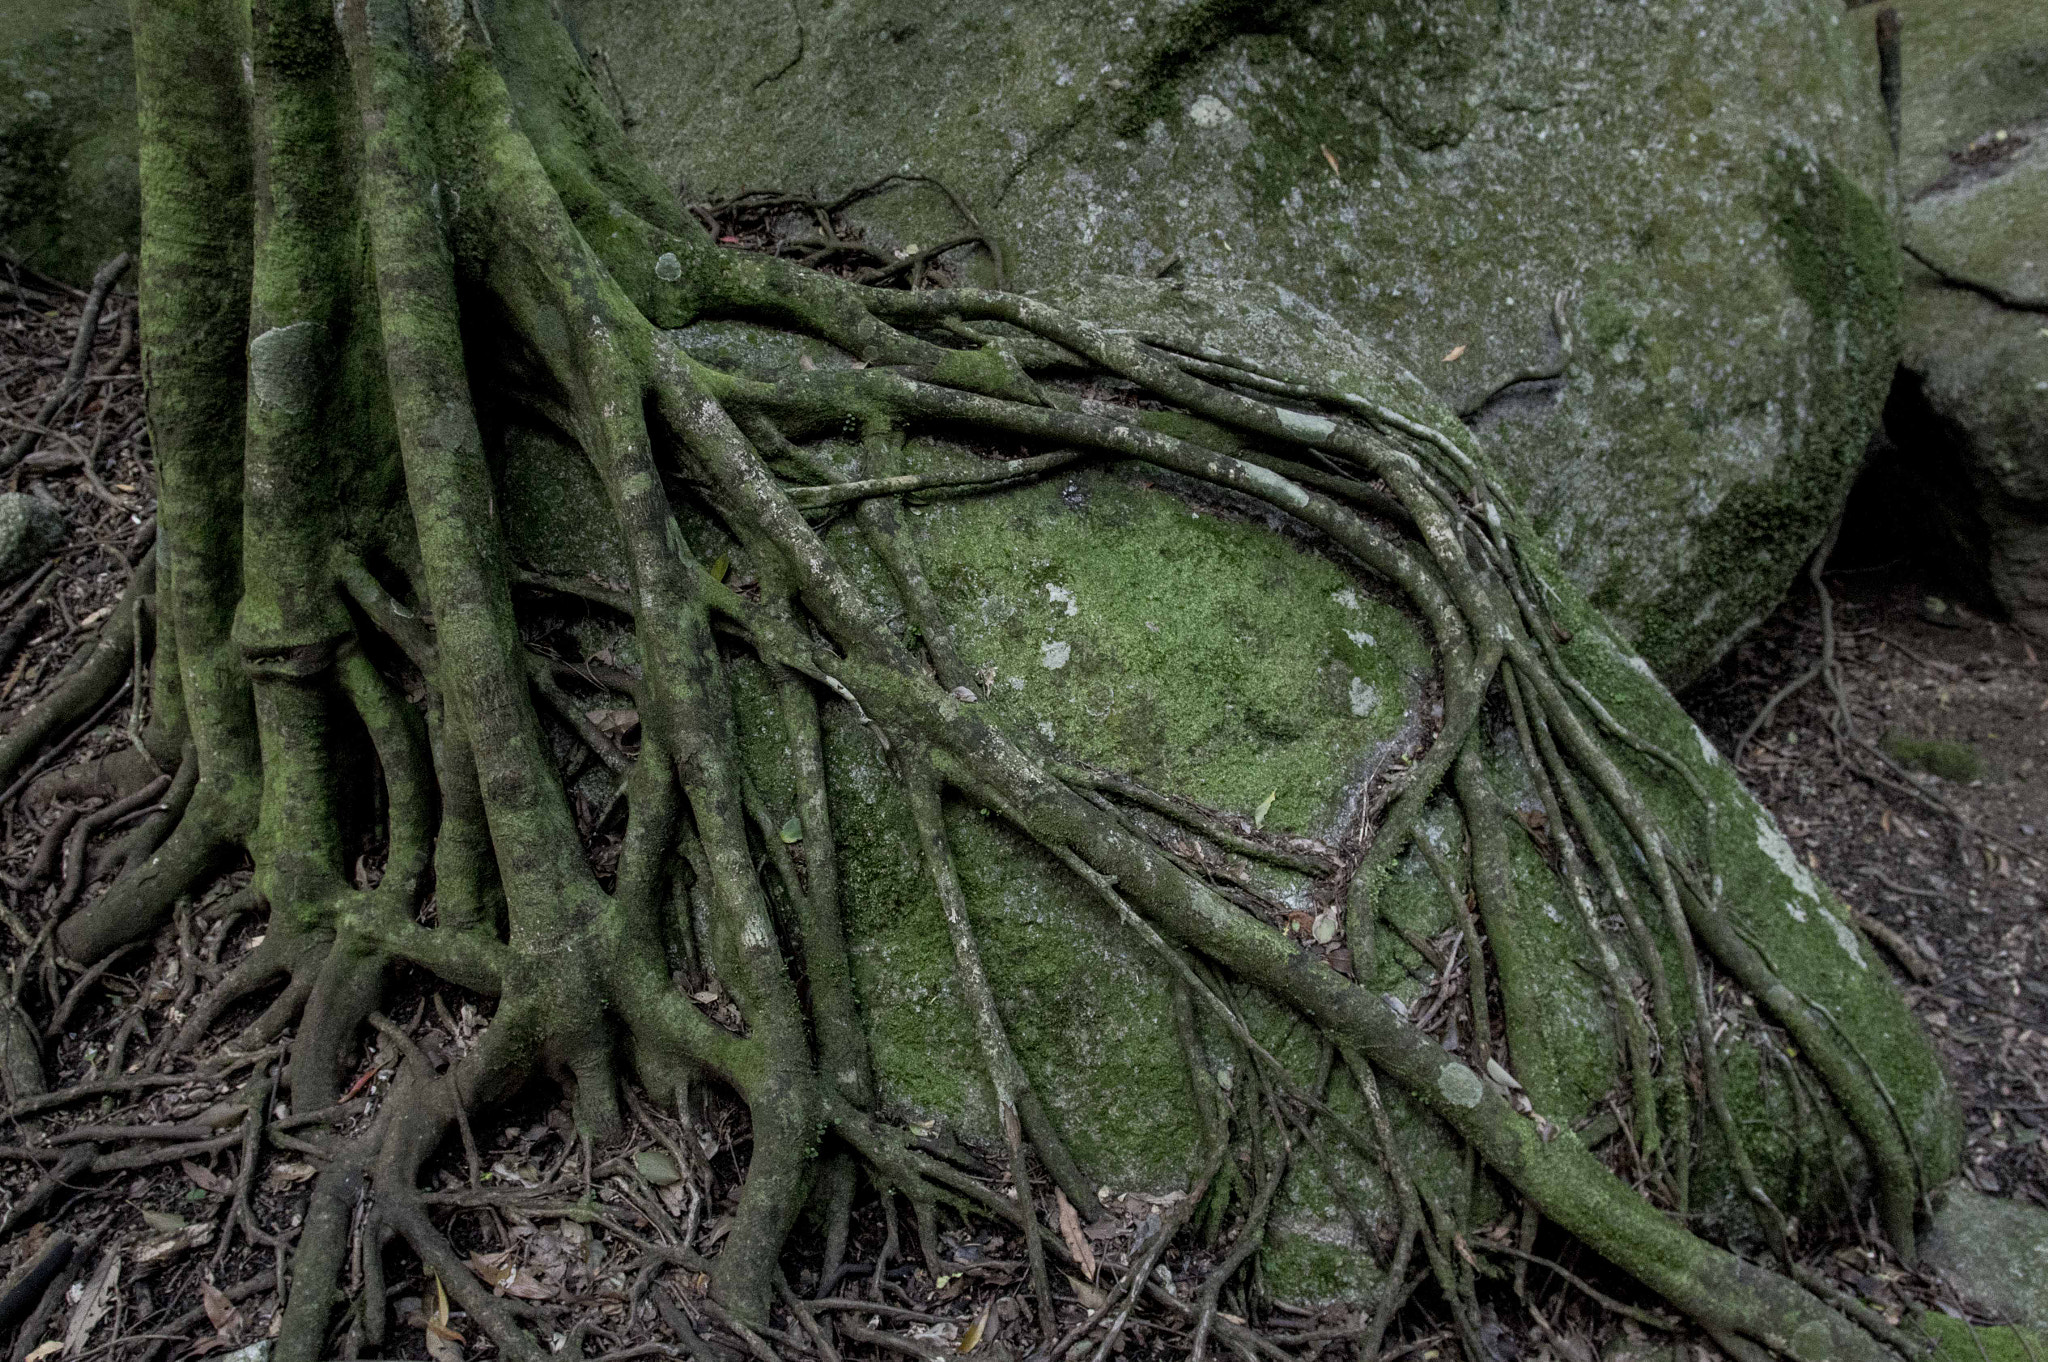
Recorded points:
(81, 352)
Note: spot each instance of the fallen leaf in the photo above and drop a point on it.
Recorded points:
(1331, 157)
(282, 1175)
(164, 1222)
(221, 1313)
(93, 1302)
(443, 1343)
(1265, 807)
(793, 830)
(155, 1255)
(502, 1277)
(971, 1340)
(96, 616)
(1086, 1294)
(657, 1167)
(1324, 929)
(1070, 1231)
(43, 1350)
(613, 722)
(1456, 352)
(212, 1182)
(1501, 1075)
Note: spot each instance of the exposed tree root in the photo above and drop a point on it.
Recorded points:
(447, 239)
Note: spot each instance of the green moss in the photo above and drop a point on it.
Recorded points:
(1957, 761)
(1196, 651)
(68, 146)
(1956, 1341)
(1839, 256)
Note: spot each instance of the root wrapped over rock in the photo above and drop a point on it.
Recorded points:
(654, 612)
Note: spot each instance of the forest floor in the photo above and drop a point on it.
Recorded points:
(164, 1265)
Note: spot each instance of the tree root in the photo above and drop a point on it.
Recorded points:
(451, 839)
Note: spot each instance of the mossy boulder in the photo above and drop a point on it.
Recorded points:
(1970, 418)
(31, 529)
(69, 199)
(1218, 651)
(1697, 191)
(1994, 1252)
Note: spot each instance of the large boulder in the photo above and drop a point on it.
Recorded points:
(1214, 649)
(1969, 421)
(1695, 190)
(69, 200)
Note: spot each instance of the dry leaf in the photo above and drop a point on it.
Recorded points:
(1456, 351)
(282, 1175)
(163, 1222)
(971, 1340)
(443, 1343)
(1086, 1294)
(155, 1255)
(1331, 157)
(93, 1304)
(44, 1350)
(505, 1279)
(1265, 807)
(96, 616)
(221, 1313)
(1501, 1076)
(212, 1182)
(1070, 1231)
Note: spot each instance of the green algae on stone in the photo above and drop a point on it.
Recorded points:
(1433, 176)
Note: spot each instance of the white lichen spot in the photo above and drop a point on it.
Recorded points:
(1016, 682)
(1062, 596)
(1046, 729)
(284, 368)
(1773, 844)
(1346, 598)
(667, 268)
(1053, 655)
(1641, 666)
(1846, 939)
(1210, 112)
(1363, 698)
(1798, 913)
(1707, 752)
(1361, 638)
(1459, 1085)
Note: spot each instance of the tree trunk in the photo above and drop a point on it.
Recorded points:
(383, 244)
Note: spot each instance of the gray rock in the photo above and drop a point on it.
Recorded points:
(1702, 183)
(30, 530)
(1994, 1251)
(1970, 418)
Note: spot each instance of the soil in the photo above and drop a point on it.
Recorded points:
(177, 1251)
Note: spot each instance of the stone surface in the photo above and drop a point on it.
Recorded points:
(1970, 418)
(1701, 183)
(1995, 1251)
(1118, 616)
(68, 195)
(30, 531)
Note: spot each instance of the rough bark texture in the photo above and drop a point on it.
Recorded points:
(394, 247)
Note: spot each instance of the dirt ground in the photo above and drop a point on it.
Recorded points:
(180, 1235)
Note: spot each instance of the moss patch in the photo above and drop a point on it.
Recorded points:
(1957, 761)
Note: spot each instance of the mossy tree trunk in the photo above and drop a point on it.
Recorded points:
(378, 237)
